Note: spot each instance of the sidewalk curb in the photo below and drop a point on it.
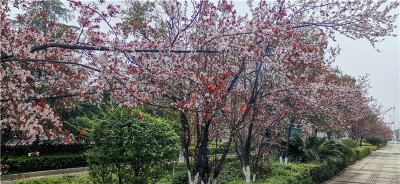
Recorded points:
(9, 178)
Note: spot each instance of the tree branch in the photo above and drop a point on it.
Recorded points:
(83, 47)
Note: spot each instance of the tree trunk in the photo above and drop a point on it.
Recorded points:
(202, 159)
(288, 140)
(246, 154)
(185, 145)
(218, 169)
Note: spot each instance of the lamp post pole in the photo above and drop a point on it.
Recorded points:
(394, 126)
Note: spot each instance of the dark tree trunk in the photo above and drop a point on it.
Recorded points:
(186, 139)
(288, 139)
(202, 159)
(243, 151)
(218, 169)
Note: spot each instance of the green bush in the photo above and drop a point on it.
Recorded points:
(381, 145)
(362, 152)
(373, 148)
(323, 172)
(312, 148)
(238, 182)
(180, 174)
(271, 180)
(332, 165)
(127, 144)
(293, 173)
(350, 143)
(327, 169)
(45, 149)
(78, 179)
(348, 156)
(281, 174)
(366, 144)
(45, 162)
(277, 180)
(375, 141)
(232, 171)
(180, 178)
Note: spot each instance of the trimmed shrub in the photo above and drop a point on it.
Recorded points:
(293, 173)
(45, 162)
(45, 149)
(79, 179)
(350, 143)
(362, 152)
(277, 180)
(381, 145)
(332, 165)
(323, 172)
(366, 144)
(180, 178)
(373, 148)
(238, 182)
(327, 169)
(375, 141)
(232, 171)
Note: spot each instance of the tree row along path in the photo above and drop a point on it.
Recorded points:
(381, 167)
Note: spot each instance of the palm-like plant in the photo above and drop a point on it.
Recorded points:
(317, 149)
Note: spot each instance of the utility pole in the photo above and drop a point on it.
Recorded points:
(394, 126)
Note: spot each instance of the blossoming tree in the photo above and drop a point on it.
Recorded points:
(211, 65)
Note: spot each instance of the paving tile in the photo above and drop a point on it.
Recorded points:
(381, 167)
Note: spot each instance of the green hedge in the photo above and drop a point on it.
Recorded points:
(350, 143)
(373, 148)
(315, 173)
(328, 169)
(70, 179)
(366, 144)
(45, 149)
(45, 162)
(279, 174)
(381, 145)
(375, 141)
(362, 152)
(291, 173)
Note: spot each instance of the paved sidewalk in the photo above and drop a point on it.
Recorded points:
(381, 167)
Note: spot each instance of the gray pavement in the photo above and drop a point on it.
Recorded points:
(381, 167)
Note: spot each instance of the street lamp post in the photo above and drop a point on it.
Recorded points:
(394, 126)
